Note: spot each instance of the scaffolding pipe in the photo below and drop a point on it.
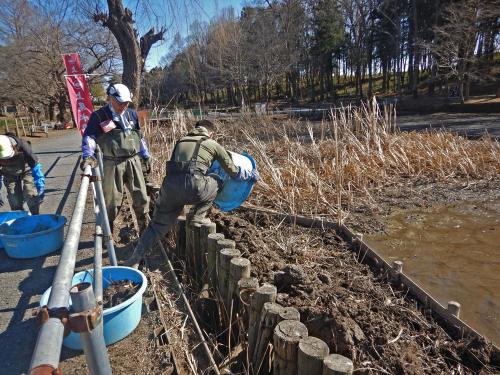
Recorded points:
(49, 341)
(96, 355)
(105, 225)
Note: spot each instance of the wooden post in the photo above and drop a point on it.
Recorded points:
(246, 288)
(335, 364)
(181, 237)
(189, 247)
(212, 249)
(207, 228)
(286, 338)
(269, 317)
(311, 353)
(225, 257)
(22, 124)
(225, 243)
(397, 269)
(454, 308)
(17, 128)
(197, 269)
(239, 268)
(263, 294)
(6, 125)
(289, 313)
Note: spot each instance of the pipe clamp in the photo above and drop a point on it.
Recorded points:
(85, 321)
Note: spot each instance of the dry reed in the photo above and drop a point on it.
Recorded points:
(324, 168)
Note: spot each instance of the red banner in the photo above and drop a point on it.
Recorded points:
(79, 93)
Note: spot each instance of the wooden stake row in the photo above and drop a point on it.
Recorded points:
(214, 261)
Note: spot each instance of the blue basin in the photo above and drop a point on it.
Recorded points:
(8, 216)
(33, 236)
(120, 320)
(233, 192)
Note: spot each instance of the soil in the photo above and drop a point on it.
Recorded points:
(118, 292)
(343, 302)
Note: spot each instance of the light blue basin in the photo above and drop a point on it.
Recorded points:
(234, 192)
(120, 320)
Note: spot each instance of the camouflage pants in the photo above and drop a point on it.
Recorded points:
(20, 189)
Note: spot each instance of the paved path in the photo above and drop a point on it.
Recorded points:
(473, 125)
(23, 281)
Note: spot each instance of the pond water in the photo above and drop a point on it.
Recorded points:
(453, 252)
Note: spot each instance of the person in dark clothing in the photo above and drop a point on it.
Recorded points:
(187, 182)
(21, 173)
(115, 128)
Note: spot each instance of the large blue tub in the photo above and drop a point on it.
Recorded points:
(8, 216)
(120, 320)
(33, 236)
(234, 192)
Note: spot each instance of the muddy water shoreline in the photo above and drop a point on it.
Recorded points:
(448, 236)
(452, 251)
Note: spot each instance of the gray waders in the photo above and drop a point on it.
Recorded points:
(122, 167)
(184, 184)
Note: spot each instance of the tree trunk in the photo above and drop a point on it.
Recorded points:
(120, 22)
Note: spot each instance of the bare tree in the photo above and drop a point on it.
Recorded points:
(134, 50)
(456, 40)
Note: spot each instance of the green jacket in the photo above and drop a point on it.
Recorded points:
(209, 151)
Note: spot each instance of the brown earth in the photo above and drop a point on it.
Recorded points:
(356, 311)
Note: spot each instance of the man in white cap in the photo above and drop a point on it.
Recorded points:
(115, 128)
(21, 173)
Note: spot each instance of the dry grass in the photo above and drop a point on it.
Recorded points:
(324, 168)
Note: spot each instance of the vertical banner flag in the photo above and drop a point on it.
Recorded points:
(79, 93)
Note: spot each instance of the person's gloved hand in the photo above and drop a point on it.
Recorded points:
(254, 175)
(248, 175)
(90, 160)
(146, 166)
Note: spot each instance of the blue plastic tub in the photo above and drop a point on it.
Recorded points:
(234, 192)
(8, 216)
(33, 236)
(119, 320)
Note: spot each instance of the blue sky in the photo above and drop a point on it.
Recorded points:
(176, 16)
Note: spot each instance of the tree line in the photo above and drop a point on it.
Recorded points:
(319, 50)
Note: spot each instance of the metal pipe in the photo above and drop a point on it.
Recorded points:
(82, 297)
(48, 345)
(97, 280)
(106, 227)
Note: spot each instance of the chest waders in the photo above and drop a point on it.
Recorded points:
(186, 167)
(122, 166)
(20, 184)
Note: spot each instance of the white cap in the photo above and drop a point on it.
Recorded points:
(120, 92)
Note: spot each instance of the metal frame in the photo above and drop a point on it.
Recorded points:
(87, 304)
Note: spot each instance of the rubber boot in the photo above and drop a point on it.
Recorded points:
(136, 257)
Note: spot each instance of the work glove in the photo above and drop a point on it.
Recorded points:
(245, 175)
(89, 160)
(146, 165)
(39, 178)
